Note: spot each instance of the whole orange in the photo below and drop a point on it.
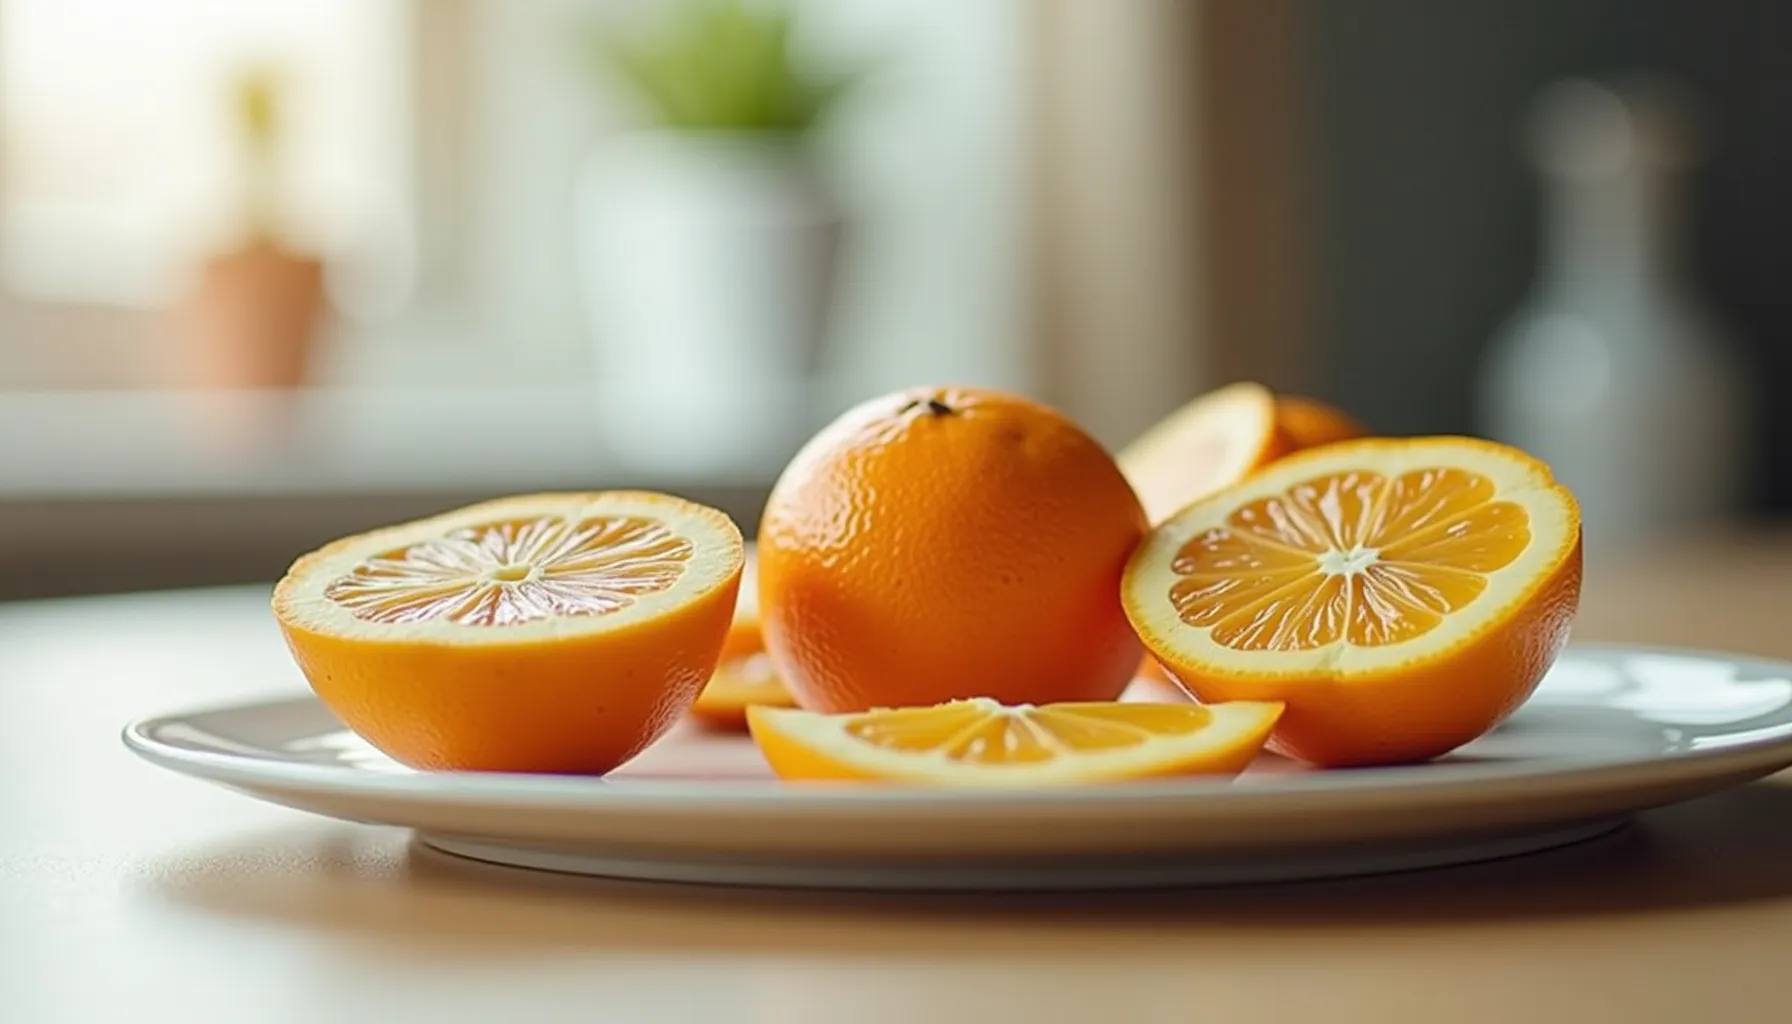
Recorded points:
(944, 543)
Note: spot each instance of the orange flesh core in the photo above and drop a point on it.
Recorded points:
(507, 573)
(968, 732)
(1352, 557)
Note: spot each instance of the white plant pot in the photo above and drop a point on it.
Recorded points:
(708, 265)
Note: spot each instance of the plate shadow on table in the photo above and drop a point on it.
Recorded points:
(380, 886)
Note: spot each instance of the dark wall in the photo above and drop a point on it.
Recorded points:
(1428, 216)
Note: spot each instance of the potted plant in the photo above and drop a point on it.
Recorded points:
(250, 317)
(708, 239)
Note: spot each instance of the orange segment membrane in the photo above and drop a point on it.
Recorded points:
(974, 732)
(503, 574)
(1482, 539)
(1350, 557)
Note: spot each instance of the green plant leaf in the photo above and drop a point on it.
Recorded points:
(722, 65)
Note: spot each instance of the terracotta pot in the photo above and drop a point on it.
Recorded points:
(251, 320)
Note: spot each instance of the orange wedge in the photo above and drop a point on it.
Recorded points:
(545, 633)
(1308, 422)
(980, 742)
(744, 677)
(1212, 442)
(1400, 596)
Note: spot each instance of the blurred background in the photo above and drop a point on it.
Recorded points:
(276, 270)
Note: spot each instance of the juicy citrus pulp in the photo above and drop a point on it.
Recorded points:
(980, 742)
(1347, 556)
(558, 632)
(522, 570)
(1402, 596)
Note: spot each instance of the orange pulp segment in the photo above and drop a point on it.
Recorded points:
(1401, 596)
(980, 742)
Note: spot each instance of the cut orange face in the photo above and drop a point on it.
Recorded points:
(980, 742)
(1211, 443)
(1400, 596)
(743, 678)
(545, 633)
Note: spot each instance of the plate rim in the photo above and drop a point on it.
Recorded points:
(588, 793)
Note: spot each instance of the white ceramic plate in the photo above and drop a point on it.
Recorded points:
(1611, 731)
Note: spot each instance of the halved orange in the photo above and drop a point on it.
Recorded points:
(980, 742)
(744, 677)
(1212, 442)
(542, 633)
(1308, 422)
(1400, 596)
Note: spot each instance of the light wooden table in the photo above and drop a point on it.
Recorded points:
(128, 894)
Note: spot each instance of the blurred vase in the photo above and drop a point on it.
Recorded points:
(1610, 370)
(708, 263)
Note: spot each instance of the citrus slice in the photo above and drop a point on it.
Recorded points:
(1308, 422)
(1400, 596)
(980, 742)
(1212, 442)
(545, 633)
(745, 676)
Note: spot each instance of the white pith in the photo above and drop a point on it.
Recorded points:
(1347, 563)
